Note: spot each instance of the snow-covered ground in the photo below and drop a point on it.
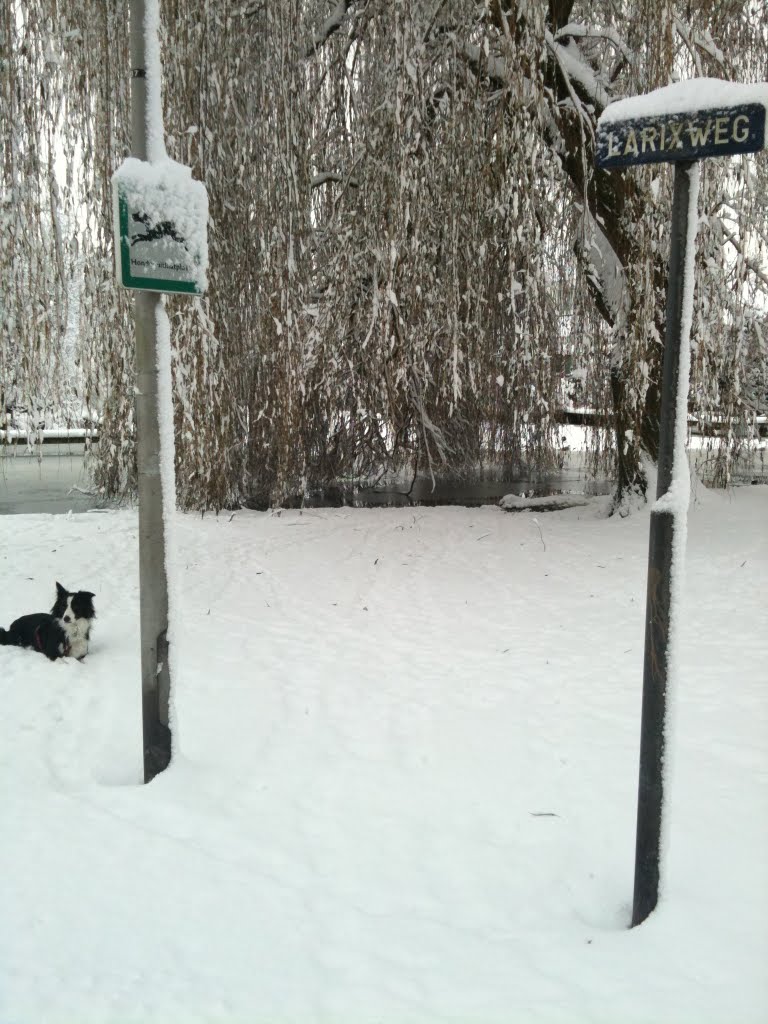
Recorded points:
(405, 780)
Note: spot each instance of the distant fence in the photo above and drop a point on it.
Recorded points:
(58, 435)
(583, 417)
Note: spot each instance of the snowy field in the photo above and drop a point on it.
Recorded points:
(405, 782)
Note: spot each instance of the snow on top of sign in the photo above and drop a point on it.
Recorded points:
(166, 191)
(682, 97)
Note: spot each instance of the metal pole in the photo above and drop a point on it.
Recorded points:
(155, 672)
(660, 545)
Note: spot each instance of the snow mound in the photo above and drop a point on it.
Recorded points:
(543, 503)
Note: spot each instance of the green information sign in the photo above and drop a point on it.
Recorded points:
(160, 228)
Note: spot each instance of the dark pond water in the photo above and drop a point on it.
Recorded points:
(52, 483)
(57, 482)
(461, 492)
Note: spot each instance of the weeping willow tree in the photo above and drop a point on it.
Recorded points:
(408, 243)
(65, 335)
(38, 255)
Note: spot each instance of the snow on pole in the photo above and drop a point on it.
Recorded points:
(161, 245)
(666, 549)
(168, 488)
(154, 134)
(676, 500)
(146, 119)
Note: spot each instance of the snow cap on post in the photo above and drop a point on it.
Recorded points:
(683, 122)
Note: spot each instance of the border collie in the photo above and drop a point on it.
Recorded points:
(62, 633)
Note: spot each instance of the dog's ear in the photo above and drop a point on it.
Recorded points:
(87, 593)
(60, 590)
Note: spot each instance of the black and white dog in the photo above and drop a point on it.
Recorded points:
(62, 633)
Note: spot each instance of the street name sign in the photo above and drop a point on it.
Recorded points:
(717, 131)
(680, 124)
(160, 223)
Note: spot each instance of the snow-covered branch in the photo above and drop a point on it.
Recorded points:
(579, 31)
(331, 25)
(748, 263)
(603, 268)
(323, 177)
(579, 75)
(696, 42)
(485, 65)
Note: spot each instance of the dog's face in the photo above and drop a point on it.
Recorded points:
(71, 606)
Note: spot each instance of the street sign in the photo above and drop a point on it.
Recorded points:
(681, 123)
(717, 131)
(161, 217)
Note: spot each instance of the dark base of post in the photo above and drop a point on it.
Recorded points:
(157, 734)
(651, 781)
(157, 750)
